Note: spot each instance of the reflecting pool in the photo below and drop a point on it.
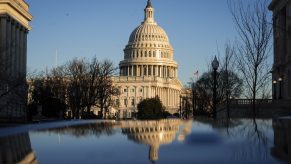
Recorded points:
(163, 141)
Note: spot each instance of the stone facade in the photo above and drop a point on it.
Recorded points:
(14, 27)
(282, 50)
(148, 68)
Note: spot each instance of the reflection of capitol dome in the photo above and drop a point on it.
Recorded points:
(153, 133)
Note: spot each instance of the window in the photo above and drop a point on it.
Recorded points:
(125, 90)
(145, 70)
(132, 102)
(132, 90)
(140, 90)
(125, 102)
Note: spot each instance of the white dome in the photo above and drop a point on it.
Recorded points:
(148, 32)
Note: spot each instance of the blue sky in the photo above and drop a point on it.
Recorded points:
(84, 28)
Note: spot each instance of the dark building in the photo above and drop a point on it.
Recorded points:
(14, 27)
(282, 48)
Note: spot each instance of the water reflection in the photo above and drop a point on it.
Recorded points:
(282, 139)
(167, 141)
(253, 137)
(17, 149)
(84, 130)
(152, 133)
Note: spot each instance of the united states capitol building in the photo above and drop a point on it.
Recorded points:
(148, 69)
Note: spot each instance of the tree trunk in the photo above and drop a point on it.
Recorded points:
(101, 109)
(88, 109)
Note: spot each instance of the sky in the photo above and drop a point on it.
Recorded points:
(197, 30)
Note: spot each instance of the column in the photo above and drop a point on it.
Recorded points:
(17, 52)
(169, 97)
(142, 70)
(175, 97)
(165, 71)
(21, 54)
(156, 70)
(12, 48)
(25, 48)
(8, 46)
(3, 44)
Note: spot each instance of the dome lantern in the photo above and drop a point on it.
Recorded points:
(149, 13)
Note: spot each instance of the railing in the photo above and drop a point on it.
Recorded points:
(250, 101)
(259, 102)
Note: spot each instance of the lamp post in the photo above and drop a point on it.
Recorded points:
(274, 90)
(193, 99)
(215, 65)
(280, 87)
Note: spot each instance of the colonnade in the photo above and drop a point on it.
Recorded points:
(149, 70)
(168, 96)
(13, 46)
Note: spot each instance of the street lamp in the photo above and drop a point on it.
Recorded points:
(193, 99)
(215, 65)
(280, 87)
(274, 90)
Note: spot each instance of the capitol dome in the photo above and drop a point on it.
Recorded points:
(148, 32)
(148, 68)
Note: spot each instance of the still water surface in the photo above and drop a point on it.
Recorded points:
(164, 141)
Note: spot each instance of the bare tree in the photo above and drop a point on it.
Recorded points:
(79, 84)
(203, 88)
(253, 47)
(92, 84)
(228, 68)
(76, 72)
(106, 88)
